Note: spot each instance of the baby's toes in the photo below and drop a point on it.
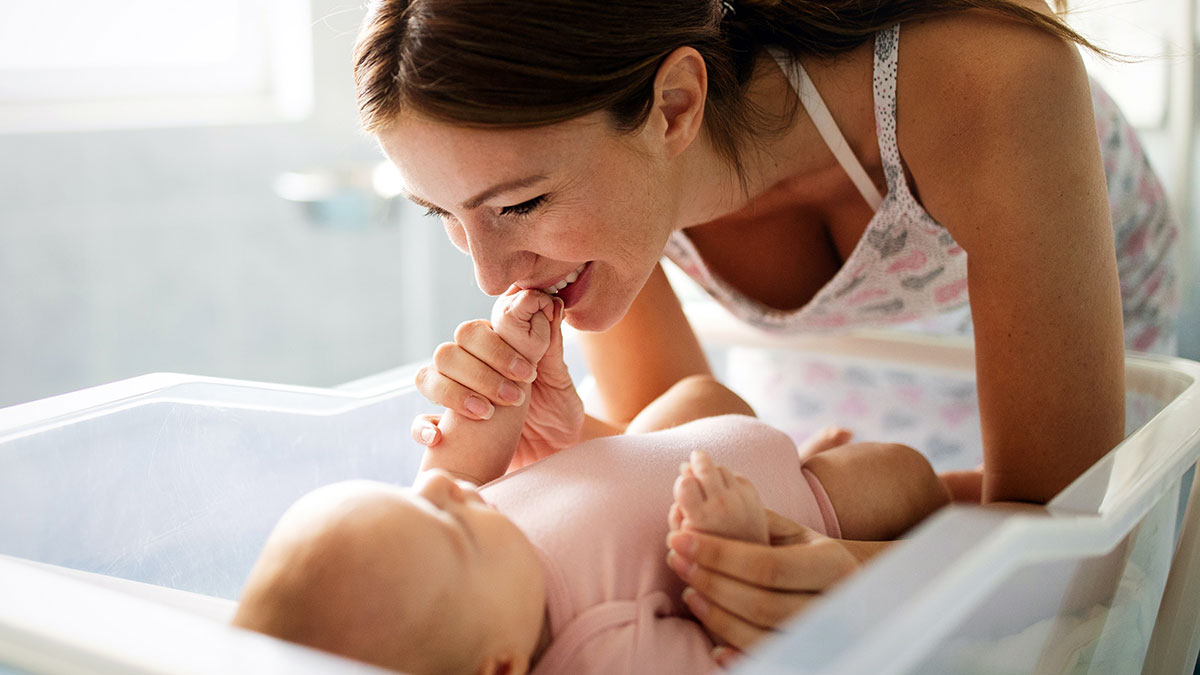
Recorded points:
(675, 517)
(708, 473)
(689, 495)
(745, 490)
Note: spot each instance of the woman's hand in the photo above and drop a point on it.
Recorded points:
(478, 371)
(742, 591)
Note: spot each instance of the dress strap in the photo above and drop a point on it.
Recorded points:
(815, 106)
(887, 43)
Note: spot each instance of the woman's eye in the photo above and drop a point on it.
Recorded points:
(524, 208)
(434, 212)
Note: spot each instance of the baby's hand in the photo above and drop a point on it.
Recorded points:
(713, 499)
(523, 321)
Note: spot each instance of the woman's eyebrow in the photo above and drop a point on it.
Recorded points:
(474, 202)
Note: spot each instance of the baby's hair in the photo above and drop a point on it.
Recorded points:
(324, 582)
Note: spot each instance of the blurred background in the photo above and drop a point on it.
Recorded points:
(184, 188)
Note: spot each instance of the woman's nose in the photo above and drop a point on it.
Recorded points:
(499, 266)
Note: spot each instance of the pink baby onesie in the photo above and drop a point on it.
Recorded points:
(597, 512)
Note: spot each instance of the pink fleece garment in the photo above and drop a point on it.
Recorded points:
(597, 512)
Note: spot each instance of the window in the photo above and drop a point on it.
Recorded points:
(78, 64)
(1141, 31)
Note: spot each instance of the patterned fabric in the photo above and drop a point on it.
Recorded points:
(907, 271)
(1145, 231)
(933, 410)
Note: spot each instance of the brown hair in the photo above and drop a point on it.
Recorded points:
(524, 63)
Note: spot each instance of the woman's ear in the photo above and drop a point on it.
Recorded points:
(680, 90)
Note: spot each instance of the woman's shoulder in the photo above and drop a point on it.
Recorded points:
(963, 62)
(1013, 102)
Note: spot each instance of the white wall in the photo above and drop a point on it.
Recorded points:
(126, 252)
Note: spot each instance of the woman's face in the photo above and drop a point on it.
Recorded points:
(534, 206)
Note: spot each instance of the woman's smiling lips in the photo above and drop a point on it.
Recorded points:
(554, 288)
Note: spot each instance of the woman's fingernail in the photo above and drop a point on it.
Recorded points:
(721, 654)
(681, 566)
(427, 434)
(682, 542)
(481, 408)
(694, 601)
(522, 370)
(511, 393)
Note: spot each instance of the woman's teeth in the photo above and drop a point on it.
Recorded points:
(570, 279)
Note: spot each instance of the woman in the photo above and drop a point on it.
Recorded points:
(777, 151)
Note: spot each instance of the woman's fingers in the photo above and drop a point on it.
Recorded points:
(784, 531)
(813, 564)
(753, 604)
(731, 628)
(726, 656)
(443, 391)
(425, 430)
(455, 365)
(478, 339)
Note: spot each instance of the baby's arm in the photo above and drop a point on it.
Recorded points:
(480, 450)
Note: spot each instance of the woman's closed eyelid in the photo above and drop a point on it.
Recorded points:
(524, 208)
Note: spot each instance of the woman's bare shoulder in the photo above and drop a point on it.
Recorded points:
(980, 97)
(961, 63)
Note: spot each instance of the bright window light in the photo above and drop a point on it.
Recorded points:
(1138, 30)
(80, 64)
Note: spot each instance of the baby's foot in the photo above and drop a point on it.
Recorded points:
(713, 499)
(523, 321)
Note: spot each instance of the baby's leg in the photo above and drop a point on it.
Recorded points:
(713, 499)
(691, 398)
(878, 490)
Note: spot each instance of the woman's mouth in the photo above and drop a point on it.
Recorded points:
(573, 286)
(566, 281)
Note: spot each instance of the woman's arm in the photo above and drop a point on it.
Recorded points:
(996, 126)
(644, 354)
(1023, 192)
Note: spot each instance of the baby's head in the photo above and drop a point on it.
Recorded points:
(422, 580)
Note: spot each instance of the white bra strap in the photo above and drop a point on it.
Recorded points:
(811, 99)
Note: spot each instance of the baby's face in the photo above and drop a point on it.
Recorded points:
(405, 578)
(480, 559)
(483, 544)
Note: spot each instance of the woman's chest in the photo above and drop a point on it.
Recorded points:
(782, 249)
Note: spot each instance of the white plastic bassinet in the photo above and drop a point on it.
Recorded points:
(130, 515)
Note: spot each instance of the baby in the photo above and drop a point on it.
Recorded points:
(557, 567)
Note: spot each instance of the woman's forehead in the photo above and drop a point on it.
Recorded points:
(447, 164)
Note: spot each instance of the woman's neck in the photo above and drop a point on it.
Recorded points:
(713, 188)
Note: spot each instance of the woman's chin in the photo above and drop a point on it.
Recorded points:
(590, 321)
